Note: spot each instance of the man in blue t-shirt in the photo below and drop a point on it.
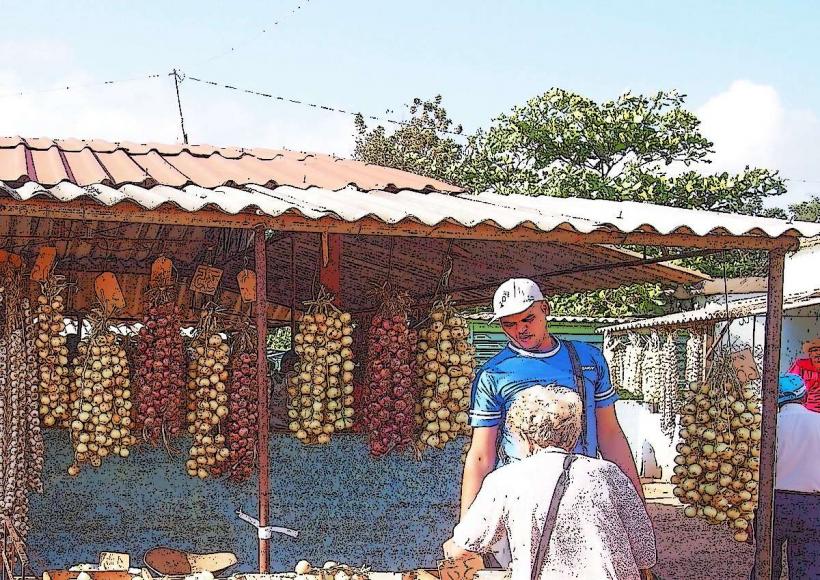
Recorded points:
(534, 357)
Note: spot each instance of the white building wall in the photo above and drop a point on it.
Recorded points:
(643, 432)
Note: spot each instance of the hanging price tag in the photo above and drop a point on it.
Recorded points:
(247, 285)
(12, 260)
(43, 263)
(206, 279)
(745, 366)
(161, 272)
(109, 292)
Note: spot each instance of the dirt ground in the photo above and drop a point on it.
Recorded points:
(689, 548)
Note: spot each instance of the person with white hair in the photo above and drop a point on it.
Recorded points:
(565, 515)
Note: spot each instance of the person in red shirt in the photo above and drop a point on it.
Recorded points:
(809, 369)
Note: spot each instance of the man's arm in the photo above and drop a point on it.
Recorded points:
(480, 462)
(613, 445)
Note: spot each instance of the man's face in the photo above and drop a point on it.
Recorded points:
(528, 330)
(814, 355)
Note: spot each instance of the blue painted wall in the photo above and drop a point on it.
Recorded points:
(391, 514)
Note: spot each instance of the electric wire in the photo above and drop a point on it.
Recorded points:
(308, 104)
(29, 92)
(232, 50)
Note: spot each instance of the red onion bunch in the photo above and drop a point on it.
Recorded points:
(242, 426)
(161, 372)
(392, 389)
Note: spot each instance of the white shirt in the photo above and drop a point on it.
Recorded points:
(601, 530)
(798, 449)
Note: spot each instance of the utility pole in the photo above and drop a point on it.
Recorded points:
(176, 76)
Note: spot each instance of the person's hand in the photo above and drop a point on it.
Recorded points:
(453, 551)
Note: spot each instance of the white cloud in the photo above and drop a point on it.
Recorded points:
(750, 125)
(146, 110)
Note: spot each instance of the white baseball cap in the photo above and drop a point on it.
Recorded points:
(514, 296)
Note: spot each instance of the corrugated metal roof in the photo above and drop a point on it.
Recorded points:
(717, 312)
(50, 161)
(486, 316)
(417, 264)
(586, 215)
(349, 203)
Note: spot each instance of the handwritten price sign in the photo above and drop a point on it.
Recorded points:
(206, 279)
(161, 272)
(247, 285)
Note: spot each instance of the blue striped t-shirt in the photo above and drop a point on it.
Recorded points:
(513, 370)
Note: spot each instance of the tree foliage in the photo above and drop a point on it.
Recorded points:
(643, 148)
(279, 338)
(424, 145)
(806, 211)
(634, 148)
(634, 300)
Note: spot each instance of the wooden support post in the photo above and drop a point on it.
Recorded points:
(292, 290)
(262, 387)
(771, 372)
(330, 272)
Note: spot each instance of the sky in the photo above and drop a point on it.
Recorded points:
(749, 69)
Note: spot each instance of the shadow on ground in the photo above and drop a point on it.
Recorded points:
(690, 548)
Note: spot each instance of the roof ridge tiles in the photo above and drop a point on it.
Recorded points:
(205, 165)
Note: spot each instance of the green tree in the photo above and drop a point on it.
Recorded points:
(424, 145)
(634, 300)
(279, 338)
(806, 211)
(634, 148)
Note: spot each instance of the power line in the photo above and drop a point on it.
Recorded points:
(234, 49)
(27, 92)
(308, 104)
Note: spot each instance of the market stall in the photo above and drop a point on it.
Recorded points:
(318, 235)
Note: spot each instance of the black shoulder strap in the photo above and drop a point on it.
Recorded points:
(580, 387)
(552, 515)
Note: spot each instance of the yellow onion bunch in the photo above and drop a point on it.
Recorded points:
(321, 388)
(208, 399)
(101, 406)
(717, 466)
(446, 369)
(52, 354)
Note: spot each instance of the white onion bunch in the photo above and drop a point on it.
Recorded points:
(614, 352)
(633, 354)
(321, 389)
(694, 357)
(651, 370)
(52, 352)
(101, 424)
(208, 378)
(22, 449)
(717, 467)
(669, 385)
(446, 369)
